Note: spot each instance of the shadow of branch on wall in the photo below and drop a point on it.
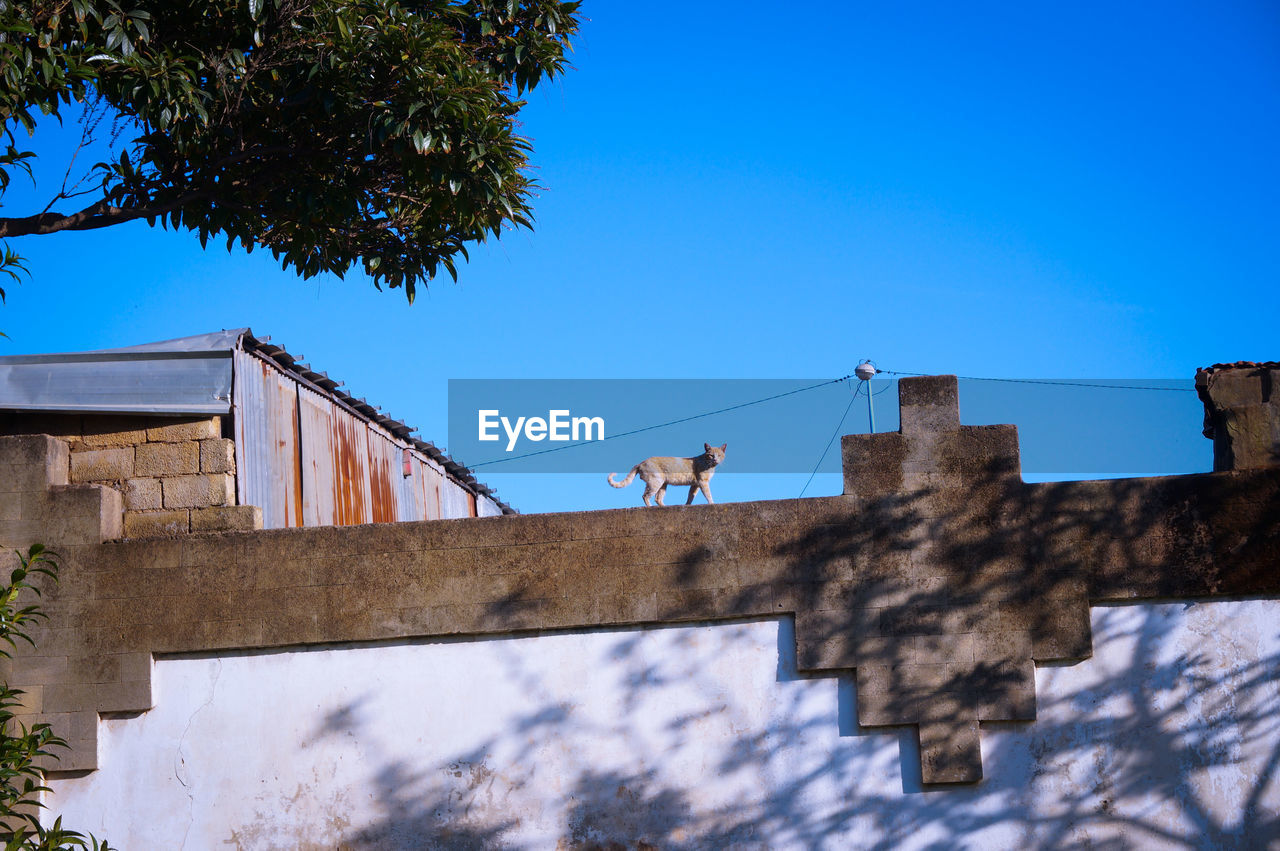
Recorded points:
(1146, 745)
(1167, 737)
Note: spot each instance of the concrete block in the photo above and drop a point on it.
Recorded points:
(1063, 634)
(950, 752)
(872, 464)
(38, 670)
(691, 603)
(231, 633)
(1006, 691)
(68, 697)
(95, 669)
(156, 524)
(112, 431)
(102, 465)
(822, 643)
(67, 515)
(884, 708)
(1010, 645)
(32, 463)
(199, 491)
(168, 459)
(29, 700)
(218, 455)
(1234, 388)
(135, 666)
(142, 495)
(81, 754)
(122, 697)
(226, 518)
(110, 521)
(921, 677)
(928, 404)
(173, 431)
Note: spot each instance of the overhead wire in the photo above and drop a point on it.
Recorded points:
(815, 387)
(1042, 381)
(834, 435)
(668, 423)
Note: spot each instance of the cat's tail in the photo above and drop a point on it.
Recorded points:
(628, 480)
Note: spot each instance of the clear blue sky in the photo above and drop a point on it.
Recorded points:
(757, 190)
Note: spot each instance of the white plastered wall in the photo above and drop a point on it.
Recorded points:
(698, 737)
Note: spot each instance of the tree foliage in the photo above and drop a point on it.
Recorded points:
(331, 132)
(23, 748)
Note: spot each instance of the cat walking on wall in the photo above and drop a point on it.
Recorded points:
(660, 471)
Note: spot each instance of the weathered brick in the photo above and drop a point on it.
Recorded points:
(79, 514)
(218, 455)
(102, 465)
(30, 701)
(226, 518)
(135, 666)
(199, 491)
(168, 459)
(113, 431)
(68, 697)
(173, 431)
(156, 524)
(96, 669)
(950, 752)
(38, 670)
(31, 463)
(142, 494)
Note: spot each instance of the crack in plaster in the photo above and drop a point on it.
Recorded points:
(180, 764)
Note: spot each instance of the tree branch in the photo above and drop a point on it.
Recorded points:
(99, 215)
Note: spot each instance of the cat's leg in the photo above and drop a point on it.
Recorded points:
(651, 488)
(706, 491)
(662, 494)
(693, 491)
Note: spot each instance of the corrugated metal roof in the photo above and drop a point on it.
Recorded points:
(186, 375)
(320, 381)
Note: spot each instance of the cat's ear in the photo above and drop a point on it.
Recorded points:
(724, 446)
(706, 446)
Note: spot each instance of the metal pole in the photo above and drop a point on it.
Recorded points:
(865, 372)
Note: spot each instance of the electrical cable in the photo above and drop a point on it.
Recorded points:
(664, 425)
(814, 387)
(834, 435)
(1040, 381)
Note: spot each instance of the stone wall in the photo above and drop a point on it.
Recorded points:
(1242, 414)
(938, 581)
(176, 475)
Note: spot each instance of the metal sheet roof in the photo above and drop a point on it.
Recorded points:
(190, 375)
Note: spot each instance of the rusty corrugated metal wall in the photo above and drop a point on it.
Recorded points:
(268, 464)
(309, 461)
